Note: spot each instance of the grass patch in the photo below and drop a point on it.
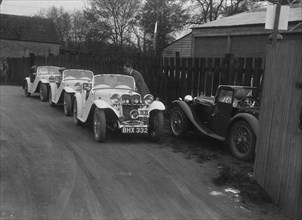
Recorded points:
(241, 178)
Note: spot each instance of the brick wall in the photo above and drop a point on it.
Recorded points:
(14, 49)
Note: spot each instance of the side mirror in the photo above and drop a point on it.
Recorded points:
(87, 86)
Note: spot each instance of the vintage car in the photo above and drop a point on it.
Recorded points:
(231, 116)
(112, 104)
(62, 88)
(38, 80)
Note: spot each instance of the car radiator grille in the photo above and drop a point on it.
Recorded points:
(127, 109)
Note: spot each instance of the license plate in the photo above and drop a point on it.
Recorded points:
(134, 130)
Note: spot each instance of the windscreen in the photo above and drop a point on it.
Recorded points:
(48, 70)
(77, 75)
(114, 81)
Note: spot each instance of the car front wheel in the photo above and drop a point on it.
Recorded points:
(178, 122)
(26, 93)
(67, 104)
(156, 126)
(43, 92)
(242, 141)
(99, 125)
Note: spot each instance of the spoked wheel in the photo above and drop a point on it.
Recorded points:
(26, 93)
(178, 122)
(50, 98)
(43, 92)
(76, 121)
(156, 126)
(242, 140)
(67, 104)
(99, 125)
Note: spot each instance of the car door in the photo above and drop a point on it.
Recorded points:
(222, 110)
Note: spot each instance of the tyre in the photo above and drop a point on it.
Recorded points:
(99, 125)
(43, 92)
(26, 93)
(67, 104)
(178, 122)
(50, 98)
(76, 121)
(156, 125)
(242, 141)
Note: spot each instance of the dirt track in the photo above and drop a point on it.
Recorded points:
(52, 169)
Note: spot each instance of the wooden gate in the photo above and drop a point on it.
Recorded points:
(278, 164)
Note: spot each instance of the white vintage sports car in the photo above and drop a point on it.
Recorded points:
(111, 102)
(38, 80)
(62, 88)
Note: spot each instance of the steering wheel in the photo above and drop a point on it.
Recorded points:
(250, 102)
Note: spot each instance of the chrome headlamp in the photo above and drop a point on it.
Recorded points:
(148, 99)
(115, 99)
(51, 79)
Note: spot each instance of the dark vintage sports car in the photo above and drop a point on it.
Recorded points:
(231, 116)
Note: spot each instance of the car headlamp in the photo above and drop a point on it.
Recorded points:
(148, 99)
(51, 79)
(115, 98)
(188, 98)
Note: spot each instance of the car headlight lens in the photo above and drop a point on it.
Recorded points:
(115, 98)
(148, 99)
(51, 79)
(188, 98)
(134, 114)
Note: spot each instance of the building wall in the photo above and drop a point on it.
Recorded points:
(183, 46)
(13, 49)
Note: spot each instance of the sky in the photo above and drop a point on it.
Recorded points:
(32, 7)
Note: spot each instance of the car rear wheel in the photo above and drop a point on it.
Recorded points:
(242, 141)
(178, 122)
(156, 126)
(50, 98)
(67, 104)
(76, 121)
(26, 93)
(99, 125)
(43, 92)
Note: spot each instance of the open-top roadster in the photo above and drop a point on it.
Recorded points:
(62, 88)
(111, 102)
(232, 116)
(38, 80)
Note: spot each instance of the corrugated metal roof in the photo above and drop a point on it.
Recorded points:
(24, 28)
(250, 18)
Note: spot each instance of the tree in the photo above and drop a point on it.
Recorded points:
(118, 15)
(62, 21)
(170, 17)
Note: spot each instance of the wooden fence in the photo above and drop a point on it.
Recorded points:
(167, 78)
(278, 164)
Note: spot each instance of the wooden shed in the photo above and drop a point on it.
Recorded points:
(242, 35)
(23, 36)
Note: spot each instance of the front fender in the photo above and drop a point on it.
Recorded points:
(252, 120)
(201, 127)
(69, 90)
(53, 88)
(184, 106)
(157, 105)
(104, 105)
(26, 80)
(44, 81)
